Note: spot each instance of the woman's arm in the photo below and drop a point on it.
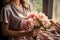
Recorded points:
(8, 32)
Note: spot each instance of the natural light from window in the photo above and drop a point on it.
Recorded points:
(36, 5)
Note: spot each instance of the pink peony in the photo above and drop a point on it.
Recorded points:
(32, 15)
(27, 24)
(44, 19)
(42, 16)
(46, 22)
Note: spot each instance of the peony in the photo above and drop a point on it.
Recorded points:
(46, 23)
(42, 16)
(44, 19)
(32, 15)
(27, 24)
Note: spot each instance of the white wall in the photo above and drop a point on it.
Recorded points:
(56, 10)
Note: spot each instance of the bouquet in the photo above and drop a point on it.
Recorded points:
(34, 20)
(40, 20)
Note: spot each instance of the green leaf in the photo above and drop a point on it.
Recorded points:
(42, 25)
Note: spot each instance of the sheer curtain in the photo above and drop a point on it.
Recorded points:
(56, 10)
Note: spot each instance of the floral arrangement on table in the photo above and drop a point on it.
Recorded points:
(35, 20)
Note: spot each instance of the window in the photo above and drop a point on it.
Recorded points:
(56, 10)
(36, 5)
(45, 6)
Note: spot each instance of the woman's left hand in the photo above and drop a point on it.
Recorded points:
(29, 34)
(56, 26)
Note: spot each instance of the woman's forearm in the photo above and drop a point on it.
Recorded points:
(8, 32)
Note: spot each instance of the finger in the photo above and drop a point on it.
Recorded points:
(52, 22)
(44, 35)
(40, 37)
(58, 29)
(58, 23)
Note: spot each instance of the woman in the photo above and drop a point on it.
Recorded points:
(11, 17)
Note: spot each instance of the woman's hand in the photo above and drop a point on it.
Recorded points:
(32, 33)
(26, 34)
(56, 25)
